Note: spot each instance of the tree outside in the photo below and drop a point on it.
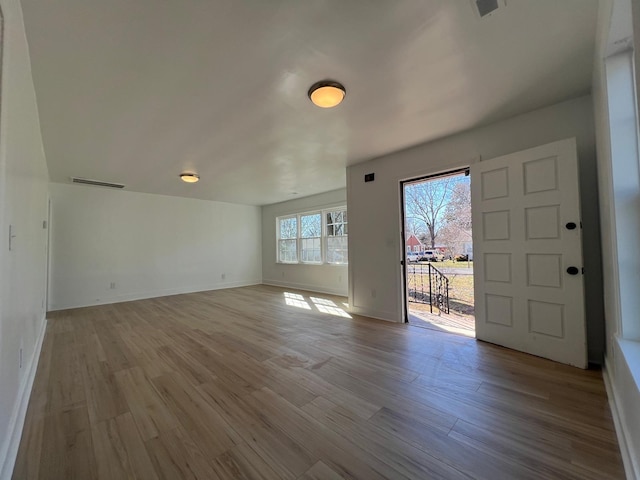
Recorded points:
(426, 203)
(438, 212)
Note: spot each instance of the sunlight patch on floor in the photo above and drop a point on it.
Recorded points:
(322, 301)
(338, 312)
(323, 305)
(295, 300)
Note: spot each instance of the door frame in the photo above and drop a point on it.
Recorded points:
(432, 176)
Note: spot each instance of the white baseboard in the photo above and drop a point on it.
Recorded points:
(378, 315)
(16, 422)
(629, 458)
(307, 287)
(128, 297)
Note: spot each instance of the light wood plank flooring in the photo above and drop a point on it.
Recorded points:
(261, 382)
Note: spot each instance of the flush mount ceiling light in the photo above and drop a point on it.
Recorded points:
(327, 93)
(190, 177)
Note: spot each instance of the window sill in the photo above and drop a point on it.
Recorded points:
(314, 264)
(631, 351)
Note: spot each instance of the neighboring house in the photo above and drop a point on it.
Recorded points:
(466, 243)
(457, 242)
(467, 249)
(414, 244)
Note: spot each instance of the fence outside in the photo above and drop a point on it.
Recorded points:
(426, 284)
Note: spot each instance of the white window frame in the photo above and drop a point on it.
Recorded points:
(323, 238)
(279, 239)
(327, 236)
(622, 109)
(320, 238)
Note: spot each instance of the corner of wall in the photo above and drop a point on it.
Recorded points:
(9, 450)
(23, 205)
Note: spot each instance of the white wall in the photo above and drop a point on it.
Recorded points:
(374, 212)
(148, 245)
(23, 204)
(317, 278)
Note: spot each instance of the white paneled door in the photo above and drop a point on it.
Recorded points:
(528, 252)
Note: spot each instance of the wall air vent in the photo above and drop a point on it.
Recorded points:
(487, 7)
(97, 183)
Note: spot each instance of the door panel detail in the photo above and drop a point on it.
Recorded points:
(496, 225)
(540, 175)
(546, 318)
(542, 222)
(544, 270)
(497, 267)
(495, 184)
(528, 291)
(499, 309)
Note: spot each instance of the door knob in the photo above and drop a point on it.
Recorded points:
(570, 226)
(572, 270)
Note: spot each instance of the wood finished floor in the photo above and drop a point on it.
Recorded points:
(239, 384)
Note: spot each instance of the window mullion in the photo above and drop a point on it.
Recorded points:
(323, 236)
(306, 244)
(299, 239)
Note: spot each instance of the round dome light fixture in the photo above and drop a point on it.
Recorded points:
(327, 93)
(189, 177)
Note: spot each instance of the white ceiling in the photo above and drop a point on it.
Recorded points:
(138, 91)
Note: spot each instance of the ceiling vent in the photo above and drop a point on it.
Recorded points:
(97, 183)
(487, 7)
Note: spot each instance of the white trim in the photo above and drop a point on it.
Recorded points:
(322, 206)
(630, 461)
(630, 350)
(160, 293)
(9, 450)
(390, 317)
(326, 264)
(306, 287)
(623, 136)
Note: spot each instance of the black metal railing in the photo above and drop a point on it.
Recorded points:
(426, 284)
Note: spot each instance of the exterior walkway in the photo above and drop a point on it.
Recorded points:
(420, 316)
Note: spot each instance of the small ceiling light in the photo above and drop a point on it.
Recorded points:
(327, 93)
(190, 177)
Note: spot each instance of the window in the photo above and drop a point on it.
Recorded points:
(313, 237)
(625, 180)
(287, 239)
(310, 236)
(336, 236)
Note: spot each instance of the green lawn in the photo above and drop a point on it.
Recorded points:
(460, 288)
(461, 293)
(451, 263)
(446, 263)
